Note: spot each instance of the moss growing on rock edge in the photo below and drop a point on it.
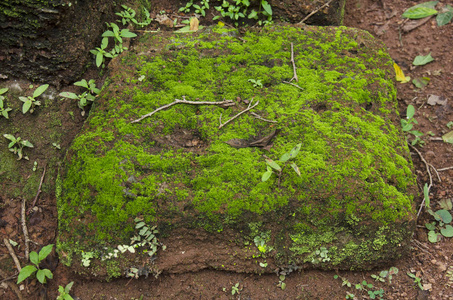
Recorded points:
(354, 196)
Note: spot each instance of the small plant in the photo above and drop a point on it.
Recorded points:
(57, 146)
(235, 289)
(408, 123)
(31, 102)
(36, 259)
(363, 286)
(240, 10)
(320, 255)
(256, 83)
(417, 279)
(89, 95)
(199, 9)
(101, 53)
(86, 258)
(17, 144)
(261, 242)
(386, 274)
(3, 111)
(272, 165)
(128, 16)
(64, 292)
(281, 284)
(442, 217)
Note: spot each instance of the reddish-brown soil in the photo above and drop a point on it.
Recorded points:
(429, 262)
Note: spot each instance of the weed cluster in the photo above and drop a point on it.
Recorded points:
(89, 95)
(408, 123)
(36, 259)
(441, 216)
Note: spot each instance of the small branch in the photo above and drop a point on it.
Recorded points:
(261, 118)
(294, 65)
(39, 190)
(293, 85)
(184, 101)
(445, 169)
(430, 177)
(437, 173)
(12, 285)
(13, 255)
(244, 111)
(315, 11)
(25, 230)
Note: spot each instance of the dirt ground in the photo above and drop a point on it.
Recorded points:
(431, 263)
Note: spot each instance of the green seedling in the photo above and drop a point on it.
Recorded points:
(320, 255)
(89, 95)
(386, 274)
(17, 144)
(35, 166)
(56, 146)
(240, 9)
(417, 280)
(36, 259)
(442, 217)
(101, 53)
(64, 292)
(256, 83)
(118, 34)
(128, 16)
(273, 166)
(31, 102)
(408, 123)
(235, 289)
(3, 110)
(86, 258)
(281, 284)
(199, 9)
(363, 286)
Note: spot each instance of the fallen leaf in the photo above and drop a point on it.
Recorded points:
(193, 25)
(164, 20)
(421, 60)
(433, 100)
(448, 137)
(421, 10)
(412, 24)
(400, 75)
(445, 16)
(421, 82)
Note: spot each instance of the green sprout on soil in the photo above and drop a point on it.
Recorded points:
(64, 292)
(256, 83)
(235, 289)
(128, 16)
(3, 111)
(363, 286)
(408, 123)
(89, 95)
(17, 144)
(320, 255)
(31, 102)
(386, 274)
(273, 166)
(417, 280)
(281, 284)
(199, 9)
(442, 217)
(240, 10)
(36, 259)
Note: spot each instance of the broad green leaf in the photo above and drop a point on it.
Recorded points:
(42, 274)
(253, 15)
(448, 137)
(127, 34)
(421, 82)
(421, 10)
(45, 251)
(295, 150)
(41, 89)
(27, 144)
(447, 231)
(443, 215)
(295, 168)
(266, 176)
(267, 7)
(444, 18)
(426, 194)
(410, 111)
(433, 237)
(108, 33)
(273, 164)
(416, 133)
(99, 59)
(285, 157)
(82, 83)
(68, 95)
(25, 273)
(68, 287)
(10, 137)
(3, 90)
(422, 60)
(104, 43)
(26, 106)
(24, 99)
(430, 226)
(139, 225)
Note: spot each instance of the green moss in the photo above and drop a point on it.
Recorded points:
(356, 179)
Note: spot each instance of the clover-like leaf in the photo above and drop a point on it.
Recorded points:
(447, 231)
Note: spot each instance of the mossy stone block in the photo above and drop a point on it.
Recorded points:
(350, 208)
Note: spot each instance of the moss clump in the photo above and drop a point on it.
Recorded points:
(175, 169)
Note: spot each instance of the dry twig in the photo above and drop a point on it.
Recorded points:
(261, 118)
(244, 111)
(12, 285)
(445, 169)
(294, 65)
(315, 11)
(39, 190)
(430, 177)
(184, 101)
(293, 84)
(13, 255)
(25, 230)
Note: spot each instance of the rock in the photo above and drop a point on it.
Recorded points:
(350, 208)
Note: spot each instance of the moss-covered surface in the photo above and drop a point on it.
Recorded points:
(174, 169)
